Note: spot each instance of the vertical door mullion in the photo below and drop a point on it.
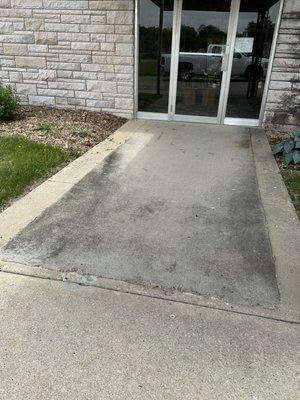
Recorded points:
(174, 57)
(226, 76)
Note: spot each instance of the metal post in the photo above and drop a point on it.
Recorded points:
(159, 46)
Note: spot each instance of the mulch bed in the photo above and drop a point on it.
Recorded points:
(276, 137)
(76, 129)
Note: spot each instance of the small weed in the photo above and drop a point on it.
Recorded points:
(46, 127)
(82, 132)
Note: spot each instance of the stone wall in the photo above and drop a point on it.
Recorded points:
(283, 102)
(79, 53)
(69, 54)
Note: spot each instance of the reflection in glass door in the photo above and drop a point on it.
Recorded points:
(203, 37)
(155, 40)
(253, 42)
(204, 60)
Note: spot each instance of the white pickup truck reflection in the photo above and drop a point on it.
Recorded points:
(209, 64)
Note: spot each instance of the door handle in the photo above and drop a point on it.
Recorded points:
(224, 66)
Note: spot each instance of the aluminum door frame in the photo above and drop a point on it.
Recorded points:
(225, 86)
(226, 67)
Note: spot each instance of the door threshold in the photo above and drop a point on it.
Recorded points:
(196, 119)
(241, 121)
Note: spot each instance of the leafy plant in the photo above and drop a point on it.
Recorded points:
(9, 104)
(289, 148)
(46, 127)
(82, 132)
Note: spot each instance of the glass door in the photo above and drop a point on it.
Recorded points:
(201, 58)
(155, 43)
(252, 48)
(204, 60)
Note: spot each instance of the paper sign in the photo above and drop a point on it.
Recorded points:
(243, 45)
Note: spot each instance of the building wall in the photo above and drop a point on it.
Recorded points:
(79, 53)
(69, 54)
(283, 101)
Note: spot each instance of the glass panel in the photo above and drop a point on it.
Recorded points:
(253, 43)
(203, 37)
(155, 39)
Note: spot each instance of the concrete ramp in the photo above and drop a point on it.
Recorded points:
(177, 207)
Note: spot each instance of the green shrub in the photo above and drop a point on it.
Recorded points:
(9, 104)
(289, 148)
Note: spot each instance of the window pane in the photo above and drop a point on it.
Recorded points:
(202, 45)
(155, 40)
(253, 43)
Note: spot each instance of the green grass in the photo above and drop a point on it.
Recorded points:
(23, 161)
(292, 181)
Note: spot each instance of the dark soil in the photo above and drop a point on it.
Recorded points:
(76, 129)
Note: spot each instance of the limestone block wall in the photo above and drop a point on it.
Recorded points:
(69, 53)
(283, 102)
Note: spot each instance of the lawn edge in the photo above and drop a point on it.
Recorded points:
(24, 210)
(282, 221)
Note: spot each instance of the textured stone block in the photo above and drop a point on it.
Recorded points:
(73, 37)
(88, 46)
(31, 62)
(291, 6)
(34, 24)
(124, 49)
(66, 5)
(97, 28)
(112, 5)
(108, 87)
(6, 27)
(63, 65)
(80, 58)
(27, 3)
(56, 92)
(26, 88)
(107, 46)
(17, 38)
(41, 101)
(15, 49)
(37, 48)
(70, 85)
(75, 19)
(120, 17)
(15, 76)
(47, 75)
(46, 38)
(4, 3)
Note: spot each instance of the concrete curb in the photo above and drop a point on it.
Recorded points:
(79, 278)
(282, 222)
(29, 207)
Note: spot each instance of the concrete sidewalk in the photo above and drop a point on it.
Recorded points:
(176, 207)
(61, 341)
(163, 264)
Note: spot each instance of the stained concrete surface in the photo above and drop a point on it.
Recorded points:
(63, 341)
(177, 207)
